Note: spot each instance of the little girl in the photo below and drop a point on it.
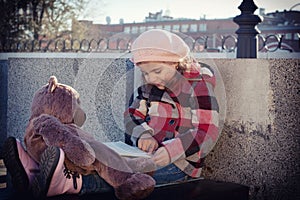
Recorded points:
(175, 113)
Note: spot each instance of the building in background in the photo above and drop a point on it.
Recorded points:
(209, 34)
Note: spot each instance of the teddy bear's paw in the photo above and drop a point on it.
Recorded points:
(137, 186)
(80, 152)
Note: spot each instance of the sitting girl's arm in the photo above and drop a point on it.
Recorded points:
(204, 117)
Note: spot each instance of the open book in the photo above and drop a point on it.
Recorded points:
(126, 150)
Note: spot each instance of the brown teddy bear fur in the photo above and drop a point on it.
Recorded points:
(56, 117)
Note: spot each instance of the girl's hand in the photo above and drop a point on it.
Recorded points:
(161, 157)
(147, 143)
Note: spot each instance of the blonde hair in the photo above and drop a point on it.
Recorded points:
(187, 63)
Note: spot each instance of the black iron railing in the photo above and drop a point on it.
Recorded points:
(226, 43)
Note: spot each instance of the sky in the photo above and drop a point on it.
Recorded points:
(136, 10)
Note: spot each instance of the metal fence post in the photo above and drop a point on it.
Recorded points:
(247, 46)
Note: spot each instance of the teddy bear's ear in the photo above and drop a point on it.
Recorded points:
(52, 84)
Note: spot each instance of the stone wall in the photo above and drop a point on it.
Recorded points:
(259, 98)
(260, 141)
(101, 83)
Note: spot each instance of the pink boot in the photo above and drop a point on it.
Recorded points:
(54, 178)
(19, 164)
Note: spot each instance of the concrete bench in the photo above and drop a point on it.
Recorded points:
(191, 190)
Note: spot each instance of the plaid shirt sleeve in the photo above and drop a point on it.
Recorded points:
(135, 119)
(204, 117)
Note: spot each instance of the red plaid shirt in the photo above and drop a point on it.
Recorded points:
(182, 118)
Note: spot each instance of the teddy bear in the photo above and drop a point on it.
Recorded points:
(55, 121)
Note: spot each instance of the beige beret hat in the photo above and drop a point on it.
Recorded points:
(159, 45)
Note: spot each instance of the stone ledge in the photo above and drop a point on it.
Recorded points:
(200, 189)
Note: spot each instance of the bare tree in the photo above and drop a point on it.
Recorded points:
(28, 19)
(58, 15)
(10, 22)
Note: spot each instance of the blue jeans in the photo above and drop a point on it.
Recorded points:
(169, 174)
(93, 183)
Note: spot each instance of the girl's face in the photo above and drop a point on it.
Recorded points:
(158, 73)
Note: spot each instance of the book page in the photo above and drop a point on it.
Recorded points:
(126, 150)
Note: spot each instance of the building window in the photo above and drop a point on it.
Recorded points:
(167, 27)
(142, 29)
(184, 28)
(176, 28)
(159, 27)
(296, 36)
(202, 27)
(194, 28)
(150, 27)
(134, 29)
(288, 36)
(127, 29)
